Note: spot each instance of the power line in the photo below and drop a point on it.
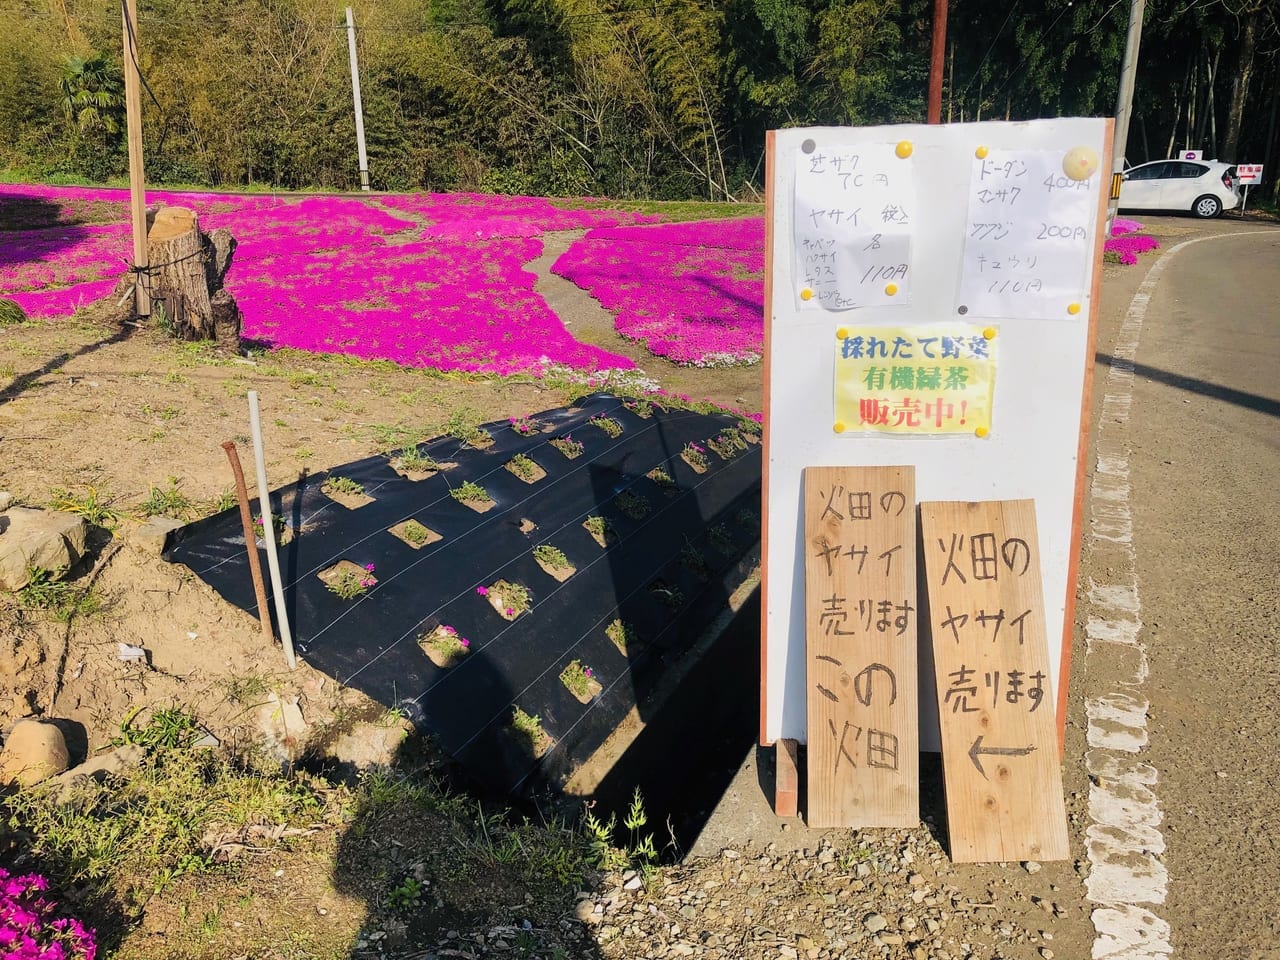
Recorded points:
(983, 61)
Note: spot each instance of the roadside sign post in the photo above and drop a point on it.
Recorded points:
(1247, 173)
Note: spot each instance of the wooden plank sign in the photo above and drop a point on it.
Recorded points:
(860, 616)
(991, 664)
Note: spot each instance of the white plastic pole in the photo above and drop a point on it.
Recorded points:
(269, 531)
(355, 94)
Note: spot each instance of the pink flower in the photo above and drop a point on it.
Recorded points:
(483, 591)
(511, 611)
(464, 642)
(447, 630)
(369, 567)
(587, 671)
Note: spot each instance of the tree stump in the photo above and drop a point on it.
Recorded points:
(186, 274)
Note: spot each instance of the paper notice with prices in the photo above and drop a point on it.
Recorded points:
(855, 205)
(1028, 242)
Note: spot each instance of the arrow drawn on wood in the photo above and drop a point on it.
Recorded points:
(978, 749)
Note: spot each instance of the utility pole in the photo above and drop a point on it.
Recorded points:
(355, 93)
(137, 180)
(1124, 98)
(935, 60)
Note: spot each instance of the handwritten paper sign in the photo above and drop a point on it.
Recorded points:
(860, 609)
(1027, 242)
(991, 664)
(854, 209)
(929, 380)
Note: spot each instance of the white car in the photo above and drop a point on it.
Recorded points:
(1205, 187)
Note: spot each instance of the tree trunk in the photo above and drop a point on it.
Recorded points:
(1213, 104)
(1240, 87)
(186, 271)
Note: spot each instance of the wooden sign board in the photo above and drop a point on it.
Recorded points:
(860, 627)
(991, 665)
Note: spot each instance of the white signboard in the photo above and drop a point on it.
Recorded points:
(1249, 173)
(1189, 155)
(1043, 350)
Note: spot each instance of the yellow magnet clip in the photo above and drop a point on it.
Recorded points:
(981, 153)
(1073, 309)
(903, 149)
(980, 432)
(842, 332)
(806, 294)
(838, 426)
(989, 333)
(891, 289)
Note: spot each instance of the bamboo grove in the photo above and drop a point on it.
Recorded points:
(622, 98)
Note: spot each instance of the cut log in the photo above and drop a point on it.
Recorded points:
(179, 287)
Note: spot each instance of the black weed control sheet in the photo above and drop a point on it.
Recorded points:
(680, 544)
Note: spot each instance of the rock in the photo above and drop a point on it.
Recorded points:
(33, 752)
(152, 536)
(874, 922)
(1046, 953)
(44, 539)
(1031, 866)
(112, 763)
(6, 500)
(635, 883)
(367, 746)
(282, 725)
(585, 912)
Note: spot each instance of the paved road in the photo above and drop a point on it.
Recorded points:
(1191, 444)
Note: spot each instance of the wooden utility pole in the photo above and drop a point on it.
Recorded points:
(935, 60)
(355, 94)
(1124, 99)
(137, 180)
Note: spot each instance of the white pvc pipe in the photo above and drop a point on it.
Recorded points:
(269, 532)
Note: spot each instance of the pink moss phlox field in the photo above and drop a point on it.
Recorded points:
(431, 281)
(690, 292)
(1127, 243)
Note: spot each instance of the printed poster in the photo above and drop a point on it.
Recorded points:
(925, 381)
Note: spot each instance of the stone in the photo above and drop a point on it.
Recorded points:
(112, 763)
(152, 535)
(33, 752)
(369, 746)
(635, 883)
(44, 539)
(1031, 866)
(874, 922)
(585, 912)
(6, 500)
(1046, 953)
(283, 726)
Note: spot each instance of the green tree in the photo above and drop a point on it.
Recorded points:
(92, 90)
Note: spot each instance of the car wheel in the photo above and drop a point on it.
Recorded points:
(1207, 207)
